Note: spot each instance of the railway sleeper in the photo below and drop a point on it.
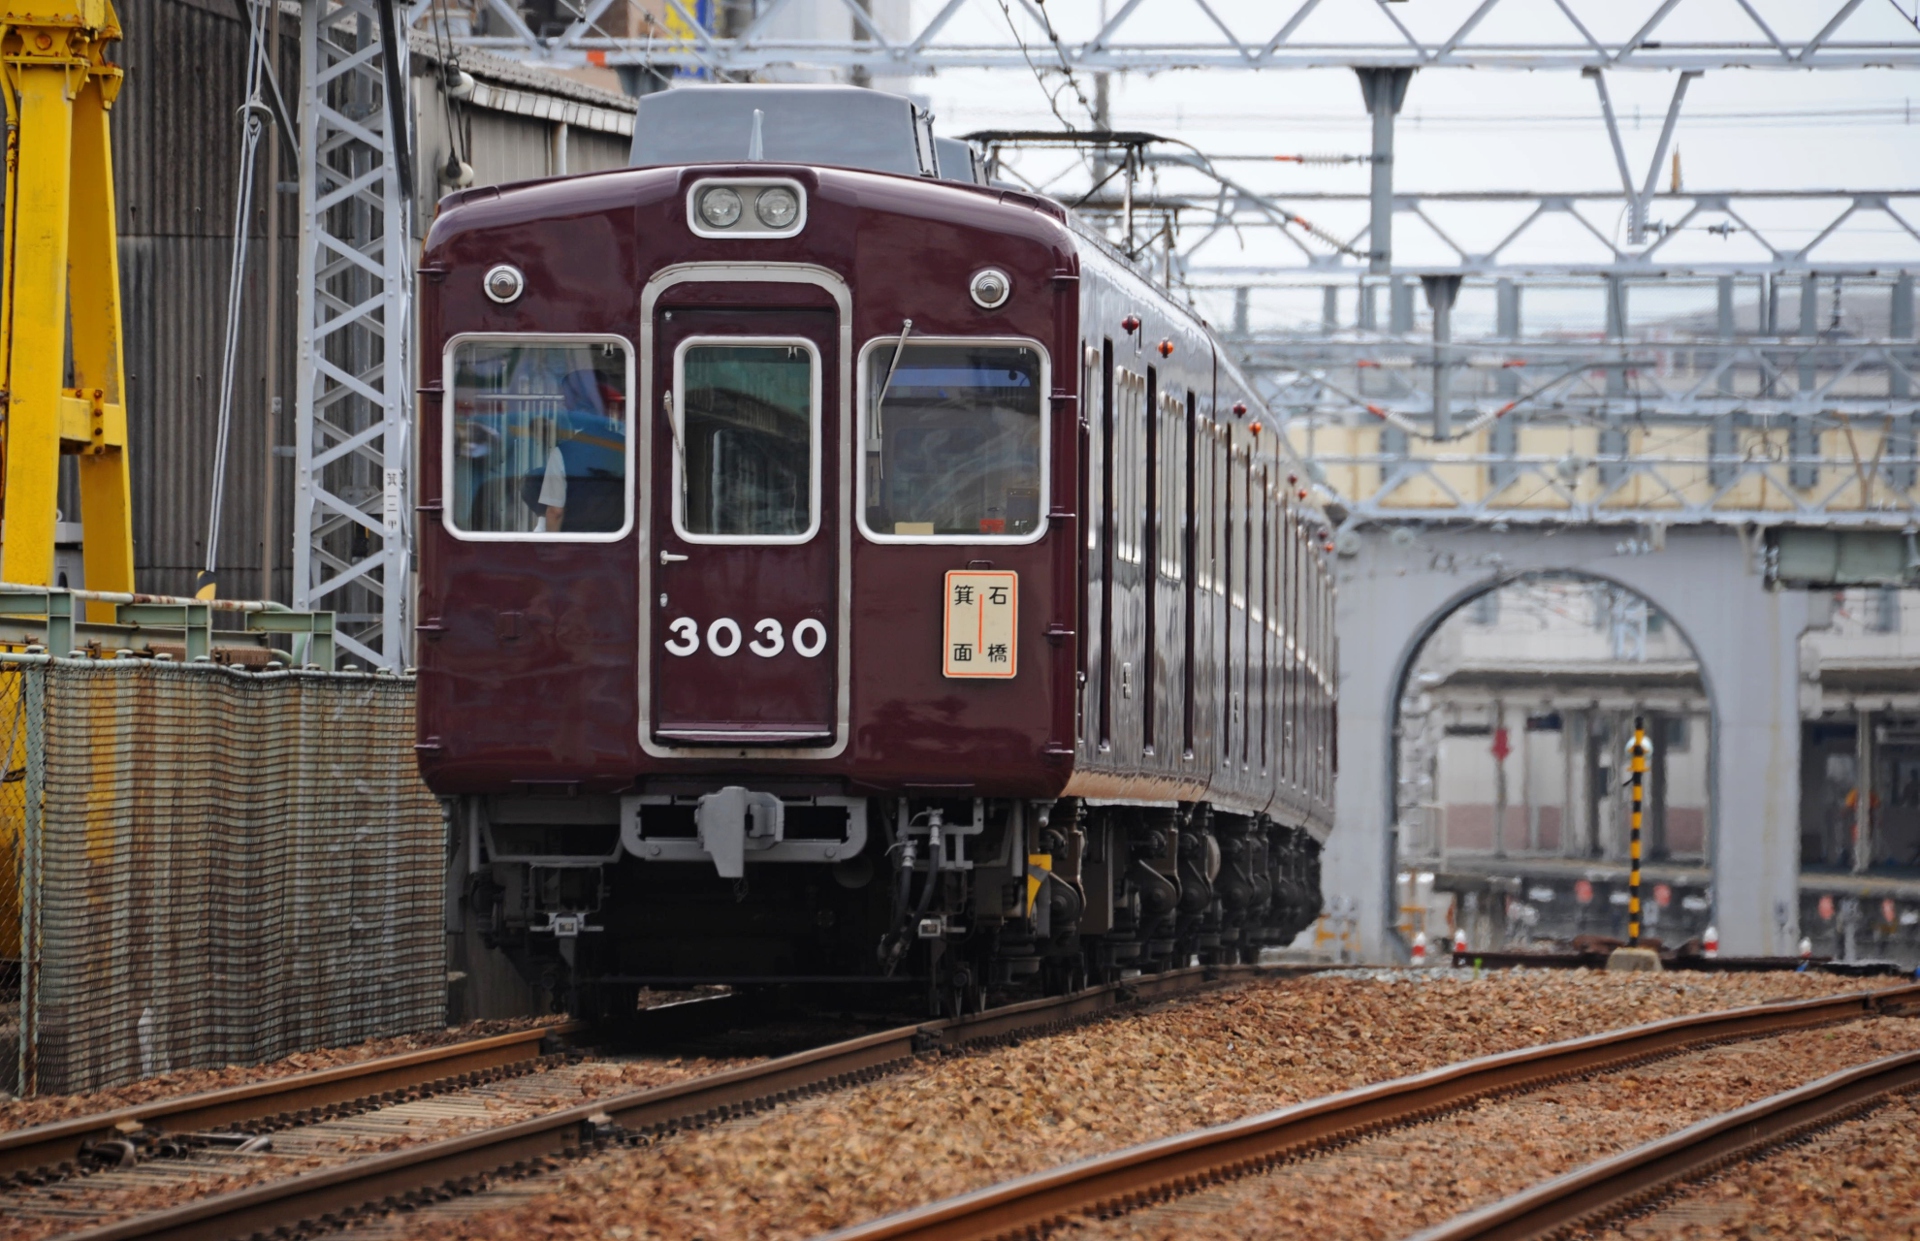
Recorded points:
(130, 1148)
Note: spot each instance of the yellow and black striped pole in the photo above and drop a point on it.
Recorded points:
(1639, 763)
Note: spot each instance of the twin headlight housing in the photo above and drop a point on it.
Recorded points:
(747, 207)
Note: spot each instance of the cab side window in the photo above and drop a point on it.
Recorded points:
(537, 437)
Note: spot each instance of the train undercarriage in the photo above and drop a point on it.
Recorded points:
(970, 900)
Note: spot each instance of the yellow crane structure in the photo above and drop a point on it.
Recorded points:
(60, 333)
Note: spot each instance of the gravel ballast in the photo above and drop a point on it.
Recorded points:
(1859, 1181)
(1399, 1182)
(957, 1123)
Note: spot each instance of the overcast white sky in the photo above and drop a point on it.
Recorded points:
(1468, 129)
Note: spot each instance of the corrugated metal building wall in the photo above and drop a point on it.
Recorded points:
(176, 137)
(176, 155)
(518, 125)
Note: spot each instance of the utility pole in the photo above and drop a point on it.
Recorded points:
(1384, 90)
(1441, 292)
(269, 526)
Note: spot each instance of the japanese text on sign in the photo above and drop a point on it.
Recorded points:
(981, 611)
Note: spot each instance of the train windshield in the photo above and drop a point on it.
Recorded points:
(747, 425)
(953, 440)
(537, 437)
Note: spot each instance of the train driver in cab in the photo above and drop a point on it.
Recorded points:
(581, 488)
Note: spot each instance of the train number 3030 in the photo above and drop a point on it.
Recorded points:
(724, 637)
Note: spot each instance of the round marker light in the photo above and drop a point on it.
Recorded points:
(504, 283)
(720, 207)
(776, 207)
(991, 288)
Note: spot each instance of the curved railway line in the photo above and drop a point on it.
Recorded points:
(1605, 1189)
(1186, 1162)
(434, 1169)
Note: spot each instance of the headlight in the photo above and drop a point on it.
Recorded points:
(504, 283)
(776, 207)
(720, 207)
(991, 288)
(752, 208)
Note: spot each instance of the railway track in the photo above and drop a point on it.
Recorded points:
(1602, 1191)
(66, 1146)
(1156, 1170)
(325, 1197)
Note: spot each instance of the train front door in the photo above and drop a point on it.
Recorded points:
(745, 528)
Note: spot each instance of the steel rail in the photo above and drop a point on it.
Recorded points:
(62, 1141)
(1592, 1194)
(413, 1173)
(1137, 1174)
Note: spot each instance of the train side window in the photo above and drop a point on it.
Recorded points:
(1129, 464)
(1266, 620)
(1229, 601)
(1189, 570)
(1152, 517)
(1285, 636)
(535, 441)
(1290, 582)
(746, 419)
(955, 444)
(1247, 608)
(1107, 535)
(1303, 623)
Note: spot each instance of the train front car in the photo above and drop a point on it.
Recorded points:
(751, 570)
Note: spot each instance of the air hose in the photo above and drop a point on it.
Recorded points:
(893, 947)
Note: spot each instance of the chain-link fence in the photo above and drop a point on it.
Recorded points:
(210, 867)
(19, 859)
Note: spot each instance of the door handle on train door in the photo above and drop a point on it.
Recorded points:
(667, 557)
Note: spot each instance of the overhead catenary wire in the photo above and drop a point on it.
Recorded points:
(1899, 113)
(1066, 66)
(1192, 157)
(1039, 75)
(255, 115)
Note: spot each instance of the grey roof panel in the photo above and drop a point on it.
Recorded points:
(958, 161)
(845, 126)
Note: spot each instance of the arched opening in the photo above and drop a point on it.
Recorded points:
(1512, 800)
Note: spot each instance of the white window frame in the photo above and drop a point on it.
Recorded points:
(678, 508)
(864, 414)
(448, 416)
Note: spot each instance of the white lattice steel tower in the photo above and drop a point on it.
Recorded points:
(352, 499)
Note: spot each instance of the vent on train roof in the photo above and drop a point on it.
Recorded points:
(959, 161)
(844, 126)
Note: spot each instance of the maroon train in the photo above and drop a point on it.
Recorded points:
(830, 569)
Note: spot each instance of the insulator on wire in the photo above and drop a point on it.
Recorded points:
(1323, 159)
(457, 173)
